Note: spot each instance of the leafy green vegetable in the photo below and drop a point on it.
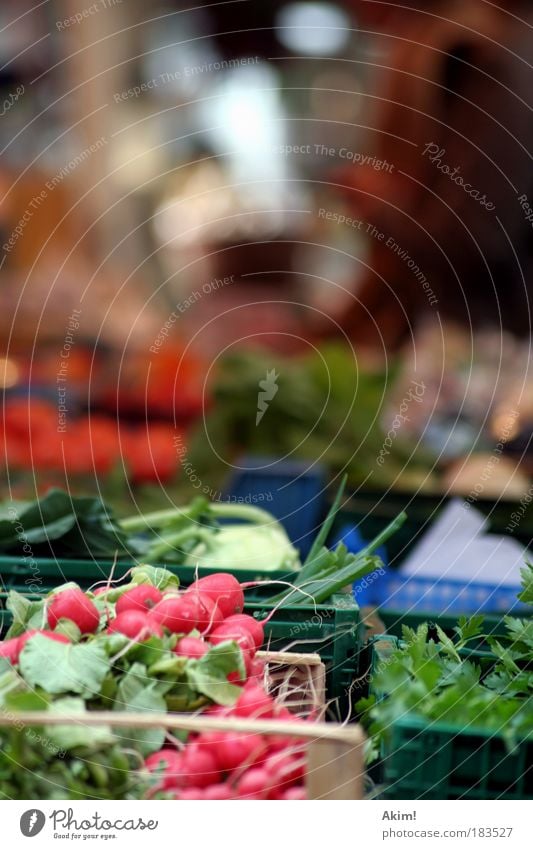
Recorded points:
(442, 682)
(62, 525)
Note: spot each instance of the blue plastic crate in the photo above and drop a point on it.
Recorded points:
(394, 591)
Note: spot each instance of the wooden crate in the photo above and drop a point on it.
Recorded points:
(335, 764)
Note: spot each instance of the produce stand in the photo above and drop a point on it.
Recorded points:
(334, 753)
(333, 630)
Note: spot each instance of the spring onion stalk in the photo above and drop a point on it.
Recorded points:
(333, 570)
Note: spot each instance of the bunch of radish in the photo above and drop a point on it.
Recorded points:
(214, 765)
(211, 608)
(232, 765)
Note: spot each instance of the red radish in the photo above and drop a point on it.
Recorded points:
(183, 614)
(223, 589)
(210, 739)
(257, 670)
(205, 611)
(100, 590)
(73, 604)
(143, 597)
(10, 650)
(52, 635)
(252, 625)
(254, 702)
(134, 624)
(237, 633)
(235, 749)
(191, 647)
(294, 794)
(199, 766)
(254, 784)
(218, 792)
(191, 794)
(285, 769)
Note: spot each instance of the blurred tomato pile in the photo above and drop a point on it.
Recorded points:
(167, 384)
(120, 426)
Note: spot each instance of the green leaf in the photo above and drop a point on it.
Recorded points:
(209, 675)
(137, 693)
(18, 701)
(466, 629)
(64, 668)
(527, 584)
(73, 736)
(156, 576)
(64, 525)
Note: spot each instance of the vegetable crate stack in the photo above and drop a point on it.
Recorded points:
(145, 691)
(303, 608)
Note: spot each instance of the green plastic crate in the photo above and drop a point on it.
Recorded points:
(424, 760)
(478, 649)
(332, 630)
(438, 761)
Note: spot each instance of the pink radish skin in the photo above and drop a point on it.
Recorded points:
(223, 589)
(234, 749)
(285, 769)
(294, 794)
(58, 638)
(183, 614)
(254, 702)
(218, 792)
(191, 794)
(134, 624)
(73, 604)
(200, 767)
(10, 650)
(192, 647)
(172, 764)
(142, 598)
(254, 784)
(237, 633)
(252, 626)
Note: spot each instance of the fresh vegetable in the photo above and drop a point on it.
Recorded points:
(441, 682)
(263, 548)
(62, 525)
(192, 647)
(223, 589)
(186, 613)
(327, 406)
(253, 626)
(135, 624)
(143, 597)
(126, 660)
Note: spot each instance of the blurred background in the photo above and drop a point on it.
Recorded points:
(288, 230)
